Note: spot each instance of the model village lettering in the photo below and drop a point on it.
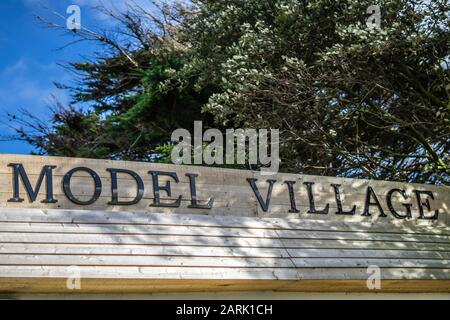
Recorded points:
(372, 204)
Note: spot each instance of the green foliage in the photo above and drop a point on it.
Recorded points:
(71, 132)
(146, 118)
(349, 100)
(135, 113)
(164, 153)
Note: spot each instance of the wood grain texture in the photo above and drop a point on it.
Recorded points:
(46, 244)
(55, 285)
(233, 246)
(230, 189)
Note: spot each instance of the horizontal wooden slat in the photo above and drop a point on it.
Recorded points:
(220, 273)
(248, 205)
(230, 189)
(139, 230)
(105, 249)
(215, 241)
(82, 185)
(33, 164)
(195, 251)
(140, 239)
(215, 231)
(217, 262)
(132, 218)
(221, 209)
(59, 285)
(140, 261)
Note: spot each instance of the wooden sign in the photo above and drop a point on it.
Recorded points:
(143, 227)
(49, 182)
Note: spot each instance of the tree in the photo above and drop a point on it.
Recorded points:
(119, 89)
(71, 132)
(349, 100)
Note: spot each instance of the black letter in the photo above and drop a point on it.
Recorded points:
(68, 191)
(264, 205)
(391, 207)
(194, 204)
(370, 193)
(290, 185)
(115, 193)
(339, 202)
(425, 203)
(166, 188)
(312, 206)
(20, 171)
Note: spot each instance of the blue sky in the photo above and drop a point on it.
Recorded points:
(30, 53)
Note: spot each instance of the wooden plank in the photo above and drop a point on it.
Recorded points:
(402, 227)
(155, 261)
(217, 262)
(222, 209)
(241, 192)
(214, 241)
(140, 218)
(207, 273)
(35, 163)
(199, 251)
(143, 207)
(229, 188)
(230, 202)
(99, 229)
(295, 243)
(82, 184)
(58, 285)
(139, 230)
(105, 249)
(367, 253)
(141, 239)
(345, 235)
